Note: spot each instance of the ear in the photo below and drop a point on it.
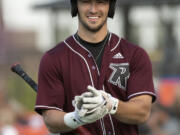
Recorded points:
(112, 8)
(74, 9)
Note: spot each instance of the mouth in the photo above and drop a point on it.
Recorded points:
(93, 18)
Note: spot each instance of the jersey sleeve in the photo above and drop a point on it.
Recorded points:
(141, 80)
(50, 93)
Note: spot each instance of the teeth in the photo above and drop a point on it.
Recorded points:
(93, 17)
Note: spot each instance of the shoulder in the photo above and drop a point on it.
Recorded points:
(123, 44)
(56, 54)
(60, 48)
(132, 48)
(136, 54)
(129, 50)
(52, 60)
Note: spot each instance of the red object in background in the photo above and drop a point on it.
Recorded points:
(33, 125)
(27, 130)
(167, 92)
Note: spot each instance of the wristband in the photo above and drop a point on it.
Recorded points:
(115, 105)
(71, 120)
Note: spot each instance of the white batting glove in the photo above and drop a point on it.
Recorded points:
(73, 120)
(84, 107)
(77, 103)
(99, 97)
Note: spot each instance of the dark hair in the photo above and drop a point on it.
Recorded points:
(74, 9)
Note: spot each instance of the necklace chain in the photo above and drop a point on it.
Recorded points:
(100, 52)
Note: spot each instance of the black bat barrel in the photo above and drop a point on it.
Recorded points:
(19, 70)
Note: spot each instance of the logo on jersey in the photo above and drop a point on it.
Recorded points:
(120, 75)
(118, 56)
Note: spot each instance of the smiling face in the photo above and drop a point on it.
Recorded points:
(93, 14)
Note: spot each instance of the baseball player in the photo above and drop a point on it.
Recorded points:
(94, 82)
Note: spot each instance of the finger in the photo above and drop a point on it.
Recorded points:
(82, 112)
(92, 110)
(99, 113)
(89, 106)
(93, 90)
(87, 94)
(78, 98)
(104, 110)
(93, 100)
(101, 110)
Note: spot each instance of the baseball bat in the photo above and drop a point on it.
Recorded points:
(16, 68)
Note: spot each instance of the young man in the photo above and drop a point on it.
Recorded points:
(108, 79)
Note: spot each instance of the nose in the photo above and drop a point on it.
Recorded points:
(93, 7)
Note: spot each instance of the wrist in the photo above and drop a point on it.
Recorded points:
(115, 103)
(71, 120)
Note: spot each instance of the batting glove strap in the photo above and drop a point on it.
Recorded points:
(72, 121)
(115, 103)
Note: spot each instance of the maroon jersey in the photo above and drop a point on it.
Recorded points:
(66, 71)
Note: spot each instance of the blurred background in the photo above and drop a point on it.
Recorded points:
(28, 28)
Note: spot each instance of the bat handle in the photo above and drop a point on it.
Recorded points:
(30, 81)
(18, 70)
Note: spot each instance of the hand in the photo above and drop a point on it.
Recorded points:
(98, 99)
(74, 120)
(82, 116)
(94, 116)
(77, 103)
(90, 107)
(88, 102)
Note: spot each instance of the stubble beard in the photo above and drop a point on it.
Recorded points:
(95, 29)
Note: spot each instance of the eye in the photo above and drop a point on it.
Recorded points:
(84, 1)
(101, 1)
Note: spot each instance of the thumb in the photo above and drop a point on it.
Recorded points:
(93, 90)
